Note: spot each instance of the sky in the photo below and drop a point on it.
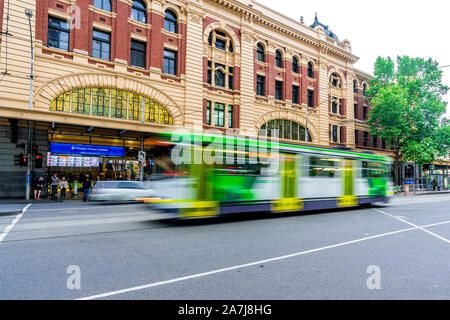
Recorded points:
(386, 28)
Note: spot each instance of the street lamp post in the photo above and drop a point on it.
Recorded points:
(29, 15)
(307, 115)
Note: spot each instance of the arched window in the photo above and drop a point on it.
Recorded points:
(284, 129)
(310, 70)
(335, 80)
(170, 21)
(260, 54)
(355, 86)
(278, 59)
(111, 103)
(294, 64)
(139, 11)
(364, 89)
(103, 4)
(221, 40)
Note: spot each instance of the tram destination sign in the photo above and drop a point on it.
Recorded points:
(87, 149)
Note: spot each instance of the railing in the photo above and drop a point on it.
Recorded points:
(416, 189)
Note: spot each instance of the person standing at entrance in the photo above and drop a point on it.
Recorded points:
(86, 188)
(63, 185)
(55, 184)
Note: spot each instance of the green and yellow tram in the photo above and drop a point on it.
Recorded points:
(217, 175)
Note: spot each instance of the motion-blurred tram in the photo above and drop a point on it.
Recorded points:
(217, 175)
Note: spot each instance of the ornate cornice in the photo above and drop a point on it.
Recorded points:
(256, 16)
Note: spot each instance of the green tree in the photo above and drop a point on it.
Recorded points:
(408, 108)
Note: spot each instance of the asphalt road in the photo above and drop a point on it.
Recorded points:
(395, 251)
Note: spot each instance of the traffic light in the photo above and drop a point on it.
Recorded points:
(38, 160)
(35, 149)
(18, 159)
(23, 161)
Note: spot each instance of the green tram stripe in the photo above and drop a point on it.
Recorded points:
(254, 143)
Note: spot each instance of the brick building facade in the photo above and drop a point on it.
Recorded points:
(223, 64)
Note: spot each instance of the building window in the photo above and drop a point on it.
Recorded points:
(209, 72)
(374, 141)
(295, 94)
(341, 134)
(101, 45)
(356, 137)
(355, 111)
(170, 22)
(335, 133)
(260, 55)
(221, 40)
(219, 76)
(219, 114)
(230, 78)
(364, 89)
(260, 83)
(103, 4)
(311, 98)
(278, 59)
(138, 54)
(170, 62)
(284, 129)
(111, 103)
(294, 64)
(383, 144)
(365, 138)
(335, 80)
(310, 70)
(355, 86)
(58, 33)
(334, 105)
(365, 113)
(208, 112)
(278, 90)
(139, 11)
(230, 116)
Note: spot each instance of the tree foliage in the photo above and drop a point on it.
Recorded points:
(408, 108)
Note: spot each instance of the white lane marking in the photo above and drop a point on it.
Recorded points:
(412, 224)
(13, 223)
(155, 284)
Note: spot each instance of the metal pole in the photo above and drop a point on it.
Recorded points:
(29, 14)
(141, 163)
(306, 124)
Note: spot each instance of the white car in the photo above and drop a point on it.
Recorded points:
(120, 191)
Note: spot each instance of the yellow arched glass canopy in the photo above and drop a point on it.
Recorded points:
(284, 129)
(111, 103)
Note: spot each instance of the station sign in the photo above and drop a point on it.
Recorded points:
(87, 149)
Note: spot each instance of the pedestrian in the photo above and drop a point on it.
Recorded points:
(63, 185)
(434, 185)
(86, 188)
(55, 185)
(38, 185)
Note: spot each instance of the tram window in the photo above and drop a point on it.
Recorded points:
(373, 170)
(238, 169)
(321, 167)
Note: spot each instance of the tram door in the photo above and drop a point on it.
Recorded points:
(289, 184)
(348, 197)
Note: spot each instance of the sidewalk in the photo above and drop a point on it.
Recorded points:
(421, 193)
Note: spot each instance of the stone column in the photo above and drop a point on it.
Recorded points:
(194, 64)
